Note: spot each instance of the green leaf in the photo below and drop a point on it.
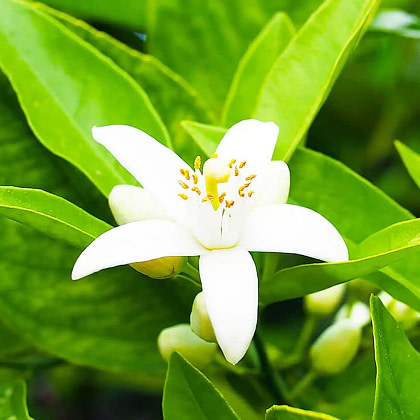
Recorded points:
(302, 77)
(174, 99)
(207, 137)
(13, 401)
(109, 321)
(254, 67)
(51, 215)
(411, 161)
(397, 22)
(87, 90)
(284, 412)
(398, 368)
(131, 14)
(301, 280)
(10, 342)
(188, 394)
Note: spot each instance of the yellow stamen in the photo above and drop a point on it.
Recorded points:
(197, 163)
(231, 163)
(183, 185)
(222, 197)
(250, 177)
(195, 178)
(210, 197)
(236, 170)
(205, 199)
(250, 193)
(187, 174)
(197, 190)
(229, 204)
(183, 196)
(214, 155)
(242, 164)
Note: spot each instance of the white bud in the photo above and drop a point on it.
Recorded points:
(335, 348)
(324, 302)
(402, 313)
(129, 203)
(358, 314)
(180, 338)
(200, 321)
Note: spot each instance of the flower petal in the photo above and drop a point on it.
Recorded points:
(129, 203)
(155, 166)
(230, 286)
(293, 229)
(136, 242)
(252, 141)
(271, 185)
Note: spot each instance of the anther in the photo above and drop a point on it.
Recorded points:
(242, 164)
(236, 170)
(231, 163)
(183, 185)
(229, 204)
(204, 199)
(197, 190)
(214, 155)
(197, 162)
(187, 174)
(183, 196)
(250, 193)
(210, 197)
(222, 197)
(195, 178)
(250, 177)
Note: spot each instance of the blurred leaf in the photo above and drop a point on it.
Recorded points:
(207, 137)
(65, 87)
(284, 412)
(411, 161)
(254, 67)
(188, 394)
(110, 321)
(129, 13)
(10, 342)
(174, 99)
(397, 22)
(398, 368)
(383, 248)
(51, 215)
(302, 77)
(13, 401)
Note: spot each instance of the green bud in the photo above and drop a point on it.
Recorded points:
(180, 338)
(335, 348)
(160, 268)
(325, 302)
(200, 321)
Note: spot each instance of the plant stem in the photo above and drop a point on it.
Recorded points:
(275, 382)
(270, 265)
(309, 326)
(302, 385)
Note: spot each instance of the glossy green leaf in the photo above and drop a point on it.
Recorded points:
(302, 77)
(411, 161)
(398, 368)
(132, 14)
(189, 395)
(174, 99)
(254, 67)
(109, 321)
(207, 137)
(13, 401)
(50, 214)
(397, 22)
(379, 250)
(284, 412)
(75, 88)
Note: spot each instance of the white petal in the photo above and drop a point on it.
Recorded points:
(230, 286)
(129, 203)
(293, 229)
(252, 141)
(136, 242)
(155, 166)
(271, 186)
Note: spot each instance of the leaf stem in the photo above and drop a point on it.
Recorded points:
(302, 384)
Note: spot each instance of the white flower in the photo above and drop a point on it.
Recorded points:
(235, 205)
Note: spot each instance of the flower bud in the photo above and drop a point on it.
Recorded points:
(132, 204)
(180, 338)
(324, 302)
(402, 313)
(358, 314)
(200, 321)
(335, 348)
